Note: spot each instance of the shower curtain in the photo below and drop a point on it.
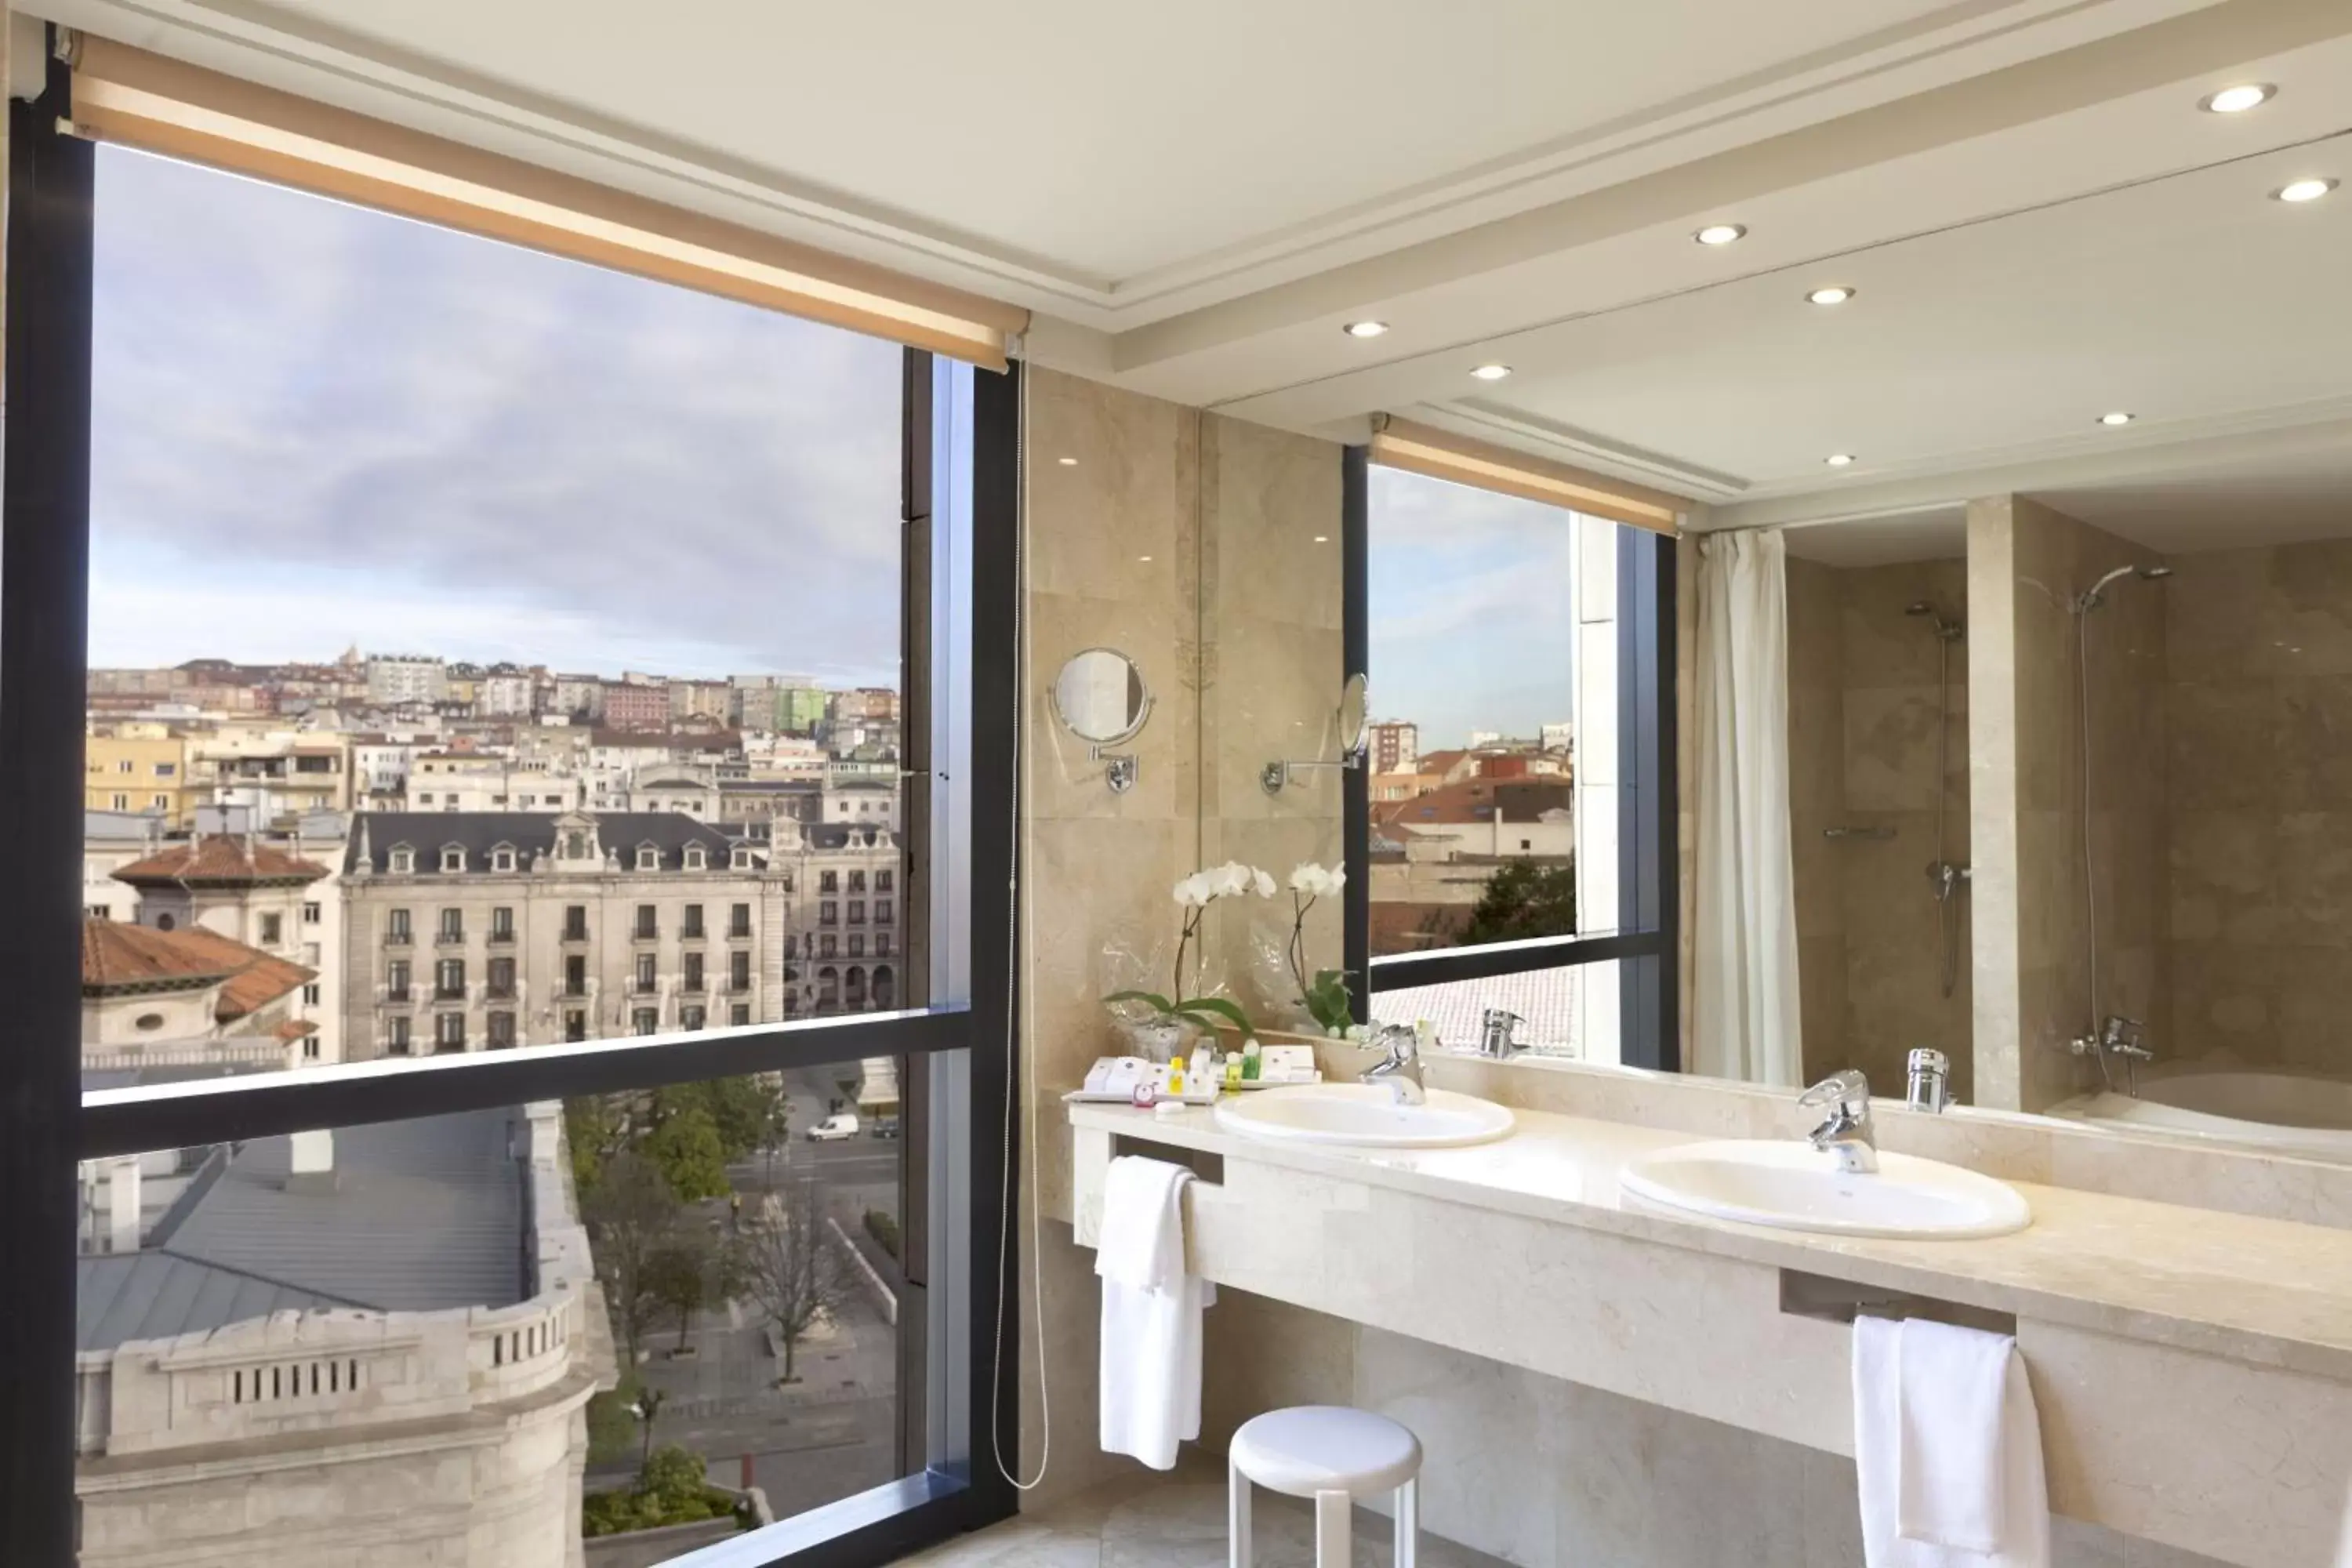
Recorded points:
(1745, 1022)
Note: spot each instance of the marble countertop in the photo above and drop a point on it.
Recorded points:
(2266, 1292)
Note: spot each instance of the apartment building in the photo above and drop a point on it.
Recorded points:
(637, 705)
(398, 680)
(139, 767)
(1394, 745)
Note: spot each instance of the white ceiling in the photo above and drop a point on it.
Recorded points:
(1194, 199)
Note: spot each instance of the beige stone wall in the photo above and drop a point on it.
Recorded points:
(1188, 542)
(1862, 718)
(2033, 981)
(1894, 998)
(2258, 697)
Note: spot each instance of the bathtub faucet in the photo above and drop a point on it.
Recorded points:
(2118, 1038)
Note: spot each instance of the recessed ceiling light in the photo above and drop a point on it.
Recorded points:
(2238, 100)
(1322, 539)
(2303, 190)
(1839, 459)
(1069, 462)
(1145, 558)
(1720, 233)
(2118, 417)
(1835, 294)
(1366, 329)
(1491, 372)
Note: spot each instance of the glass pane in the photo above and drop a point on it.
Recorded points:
(472, 1339)
(1570, 1011)
(485, 649)
(1492, 640)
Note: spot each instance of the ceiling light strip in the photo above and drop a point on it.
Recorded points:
(138, 99)
(1441, 454)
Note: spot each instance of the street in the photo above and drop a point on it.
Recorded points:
(832, 1432)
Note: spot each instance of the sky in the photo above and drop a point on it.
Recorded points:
(1471, 607)
(315, 426)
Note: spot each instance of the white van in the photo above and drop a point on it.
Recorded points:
(843, 1125)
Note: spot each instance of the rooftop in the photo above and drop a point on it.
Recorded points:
(220, 859)
(423, 1216)
(118, 958)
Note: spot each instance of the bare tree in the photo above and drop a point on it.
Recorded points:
(788, 1269)
(630, 1215)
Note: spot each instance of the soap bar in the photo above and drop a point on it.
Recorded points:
(1288, 1064)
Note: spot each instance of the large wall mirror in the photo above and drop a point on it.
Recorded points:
(2053, 581)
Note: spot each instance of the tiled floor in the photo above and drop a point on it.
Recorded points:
(1177, 1521)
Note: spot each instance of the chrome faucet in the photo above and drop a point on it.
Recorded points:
(1846, 1131)
(1495, 1040)
(2118, 1038)
(1928, 1080)
(1401, 1068)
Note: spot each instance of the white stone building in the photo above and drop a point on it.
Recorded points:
(399, 680)
(288, 1369)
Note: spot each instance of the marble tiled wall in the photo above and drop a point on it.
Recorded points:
(1113, 561)
(2033, 983)
(1188, 542)
(2258, 656)
(1894, 944)
(1270, 620)
(1862, 716)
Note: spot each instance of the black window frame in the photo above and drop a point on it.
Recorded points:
(1647, 942)
(958, 1410)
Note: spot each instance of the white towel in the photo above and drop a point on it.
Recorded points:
(1150, 1367)
(1948, 1449)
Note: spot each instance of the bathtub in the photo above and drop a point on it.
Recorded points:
(2292, 1112)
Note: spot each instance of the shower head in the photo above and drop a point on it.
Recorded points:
(1947, 630)
(2091, 598)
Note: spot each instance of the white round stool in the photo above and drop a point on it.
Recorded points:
(1334, 1455)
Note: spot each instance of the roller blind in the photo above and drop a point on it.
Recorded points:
(139, 100)
(1441, 454)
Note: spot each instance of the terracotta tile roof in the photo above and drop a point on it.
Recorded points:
(295, 1028)
(223, 858)
(1474, 800)
(118, 956)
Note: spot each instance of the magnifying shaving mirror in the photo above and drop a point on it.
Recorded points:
(1100, 698)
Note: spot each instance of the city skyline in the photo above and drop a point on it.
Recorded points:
(405, 437)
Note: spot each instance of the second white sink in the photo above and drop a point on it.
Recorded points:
(1795, 1186)
(1365, 1114)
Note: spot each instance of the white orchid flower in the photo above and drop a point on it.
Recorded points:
(1335, 878)
(1307, 878)
(1263, 882)
(1231, 878)
(1194, 890)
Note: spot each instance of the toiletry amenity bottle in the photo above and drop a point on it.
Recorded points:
(1233, 1069)
(1253, 1063)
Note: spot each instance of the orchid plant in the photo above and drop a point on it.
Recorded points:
(1325, 999)
(1193, 895)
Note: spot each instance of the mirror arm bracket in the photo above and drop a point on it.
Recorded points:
(1274, 777)
(1120, 769)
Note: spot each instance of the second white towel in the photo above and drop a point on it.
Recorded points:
(1948, 1449)
(1151, 1365)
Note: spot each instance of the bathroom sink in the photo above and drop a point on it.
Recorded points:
(1365, 1114)
(1795, 1186)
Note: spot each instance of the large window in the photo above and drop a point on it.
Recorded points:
(499, 616)
(1514, 796)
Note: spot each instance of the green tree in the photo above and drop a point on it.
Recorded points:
(594, 1129)
(1521, 900)
(687, 1148)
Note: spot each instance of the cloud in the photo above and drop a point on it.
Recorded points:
(308, 417)
(1472, 608)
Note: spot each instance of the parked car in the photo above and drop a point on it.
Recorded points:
(883, 1127)
(834, 1128)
